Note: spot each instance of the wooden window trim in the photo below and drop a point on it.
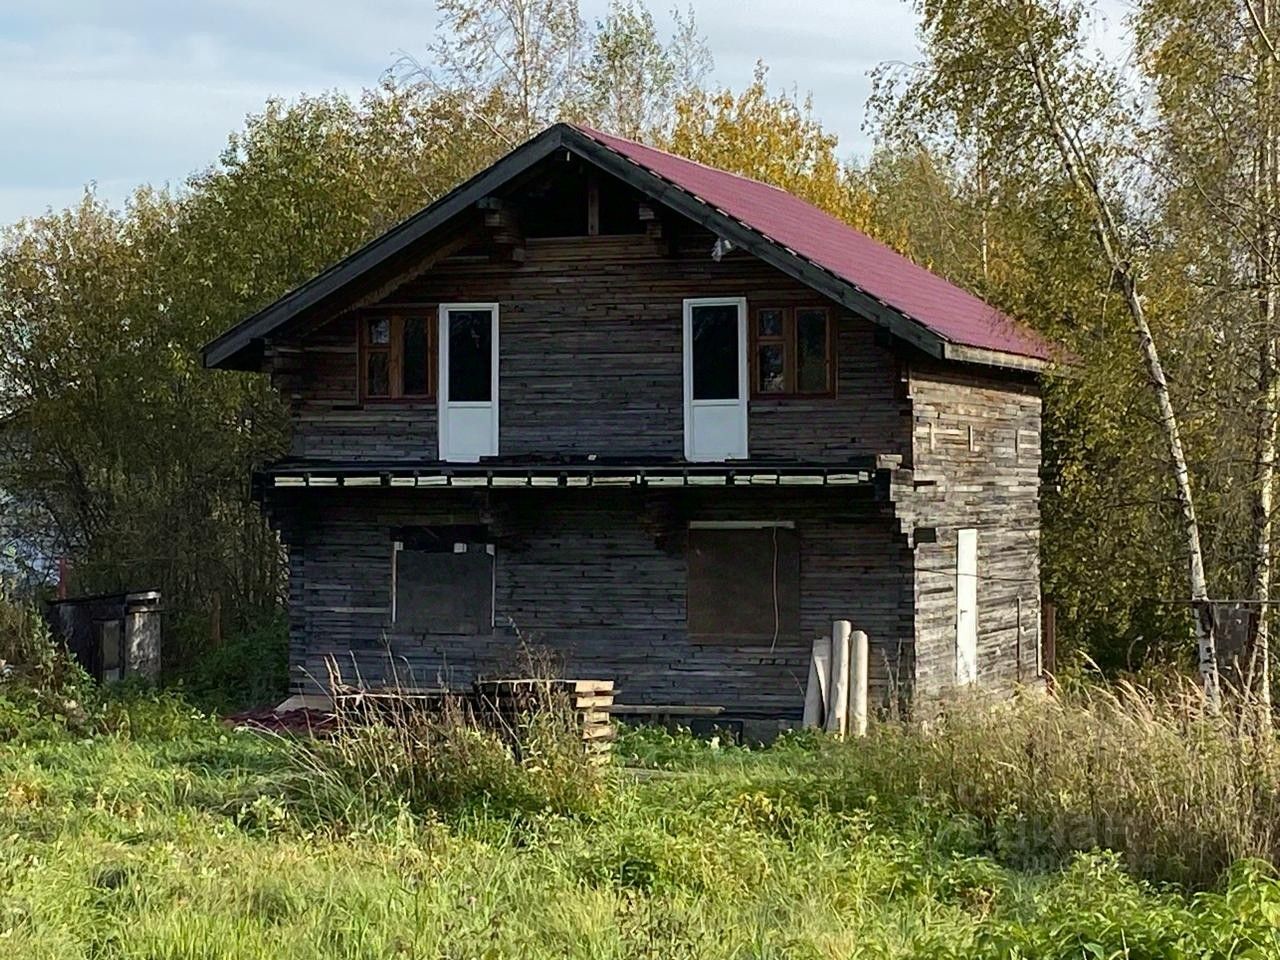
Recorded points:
(394, 349)
(790, 352)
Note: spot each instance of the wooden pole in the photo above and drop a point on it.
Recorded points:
(858, 677)
(1048, 640)
(838, 701)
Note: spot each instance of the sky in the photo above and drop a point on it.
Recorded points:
(118, 93)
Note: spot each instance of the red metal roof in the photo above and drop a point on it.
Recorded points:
(950, 312)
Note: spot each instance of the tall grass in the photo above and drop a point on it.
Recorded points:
(186, 840)
(1181, 793)
(446, 759)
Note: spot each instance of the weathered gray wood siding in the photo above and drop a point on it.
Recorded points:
(976, 464)
(600, 577)
(590, 360)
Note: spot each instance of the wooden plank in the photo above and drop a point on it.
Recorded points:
(665, 710)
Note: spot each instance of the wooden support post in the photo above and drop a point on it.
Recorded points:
(1048, 639)
(593, 205)
(858, 652)
(838, 701)
(818, 691)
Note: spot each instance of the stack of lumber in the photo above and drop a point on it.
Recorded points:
(509, 700)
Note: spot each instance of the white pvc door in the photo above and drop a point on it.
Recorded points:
(966, 606)
(468, 381)
(715, 379)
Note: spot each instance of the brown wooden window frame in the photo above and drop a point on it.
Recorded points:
(787, 340)
(394, 350)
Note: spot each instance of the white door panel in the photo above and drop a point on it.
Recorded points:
(715, 379)
(468, 338)
(966, 606)
(716, 432)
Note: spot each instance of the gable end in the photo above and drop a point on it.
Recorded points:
(240, 348)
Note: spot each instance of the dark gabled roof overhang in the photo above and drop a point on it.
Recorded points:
(240, 347)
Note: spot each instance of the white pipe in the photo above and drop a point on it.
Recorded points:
(858, 683)
(838, 702)
(817, 692)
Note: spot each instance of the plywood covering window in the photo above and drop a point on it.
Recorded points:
(744, 583)
(792, 352)
(395, 357)
(442, 581)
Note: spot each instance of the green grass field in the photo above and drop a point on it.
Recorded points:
(171, 837)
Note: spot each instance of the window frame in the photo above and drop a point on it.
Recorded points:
(790, 351)
(394, 349)
(740, 403)
(444, 382)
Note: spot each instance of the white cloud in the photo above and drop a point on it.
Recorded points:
(139, 91)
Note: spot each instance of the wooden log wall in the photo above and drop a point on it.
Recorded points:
(976, 463)
(590, 360)
(590, 363)
(599, 577)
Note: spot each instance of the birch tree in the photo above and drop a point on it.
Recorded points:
(1212, 66)
(1017, 78)
(513, 65)
(633, 79)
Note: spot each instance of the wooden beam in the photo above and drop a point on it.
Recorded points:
(223, 351)
(593, 204)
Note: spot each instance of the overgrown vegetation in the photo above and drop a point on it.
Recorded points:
(192, 840)
(248, 669)
(446, 759)
(1179, 792)
(1104, 823)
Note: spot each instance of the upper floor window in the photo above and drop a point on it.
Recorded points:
(395, 358)
(792, 351)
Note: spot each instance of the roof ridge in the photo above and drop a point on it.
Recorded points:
(595, 135)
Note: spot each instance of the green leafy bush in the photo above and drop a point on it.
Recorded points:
(44, 693)
(249, 669)
(139, 711)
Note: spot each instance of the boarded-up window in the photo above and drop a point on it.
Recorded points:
(443, 582)
(744, 583)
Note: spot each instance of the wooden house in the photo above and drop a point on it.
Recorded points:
(664, 420)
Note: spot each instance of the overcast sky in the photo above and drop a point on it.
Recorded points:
(123, 92)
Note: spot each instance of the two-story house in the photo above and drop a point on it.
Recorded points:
(666, 420)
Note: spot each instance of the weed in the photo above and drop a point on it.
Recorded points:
(446, 760)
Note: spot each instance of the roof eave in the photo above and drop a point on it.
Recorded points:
(995, 358)
(240, 348)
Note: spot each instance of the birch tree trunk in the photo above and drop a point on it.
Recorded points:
(1267, 173)
(1080, 169)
